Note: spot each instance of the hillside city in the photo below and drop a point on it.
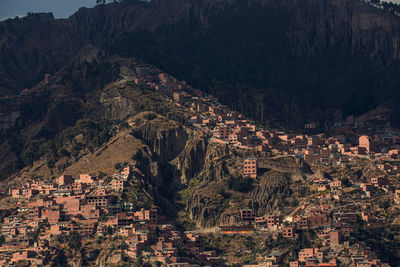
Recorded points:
(49, 215)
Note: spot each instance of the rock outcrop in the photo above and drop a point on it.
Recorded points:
(212, 202)
(193, 157)
(208, 212)
(165, 138)
(215, 166)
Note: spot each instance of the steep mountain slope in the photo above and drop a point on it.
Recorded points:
(91, 117)
(75, 111)
(299, 61)
(31, 47)
(100, 113)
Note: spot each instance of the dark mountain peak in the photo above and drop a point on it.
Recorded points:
(292, 53)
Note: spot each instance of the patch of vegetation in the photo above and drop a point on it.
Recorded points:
(135, 194)
(150, 116)
(221, 191)
(93, 135)
(240, 184)
(382, 240)
(120, 165)
(74, 240)
(138, 121)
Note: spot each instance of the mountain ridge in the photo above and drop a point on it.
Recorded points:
(147, 140)
(288, 55)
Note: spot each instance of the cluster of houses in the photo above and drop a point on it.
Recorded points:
(379, 185)
(230, 127)
(334, 225)
(332, 230)
(91, 207)
(359, 256)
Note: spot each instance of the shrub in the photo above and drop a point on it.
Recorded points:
(118, 166)
(137, 121)
(75, 240)
(150, 116)
(223, 193)
(240, 184)
(124, 125)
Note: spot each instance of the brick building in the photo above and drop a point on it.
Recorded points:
(250, 167)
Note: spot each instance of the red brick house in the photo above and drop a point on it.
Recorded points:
(250, 167)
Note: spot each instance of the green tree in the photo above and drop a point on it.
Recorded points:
(118, 166)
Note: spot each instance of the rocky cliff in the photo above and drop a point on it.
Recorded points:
(211, 199)
(165, 139)
(193, 157)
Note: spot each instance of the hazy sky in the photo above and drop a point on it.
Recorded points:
(60, 8)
